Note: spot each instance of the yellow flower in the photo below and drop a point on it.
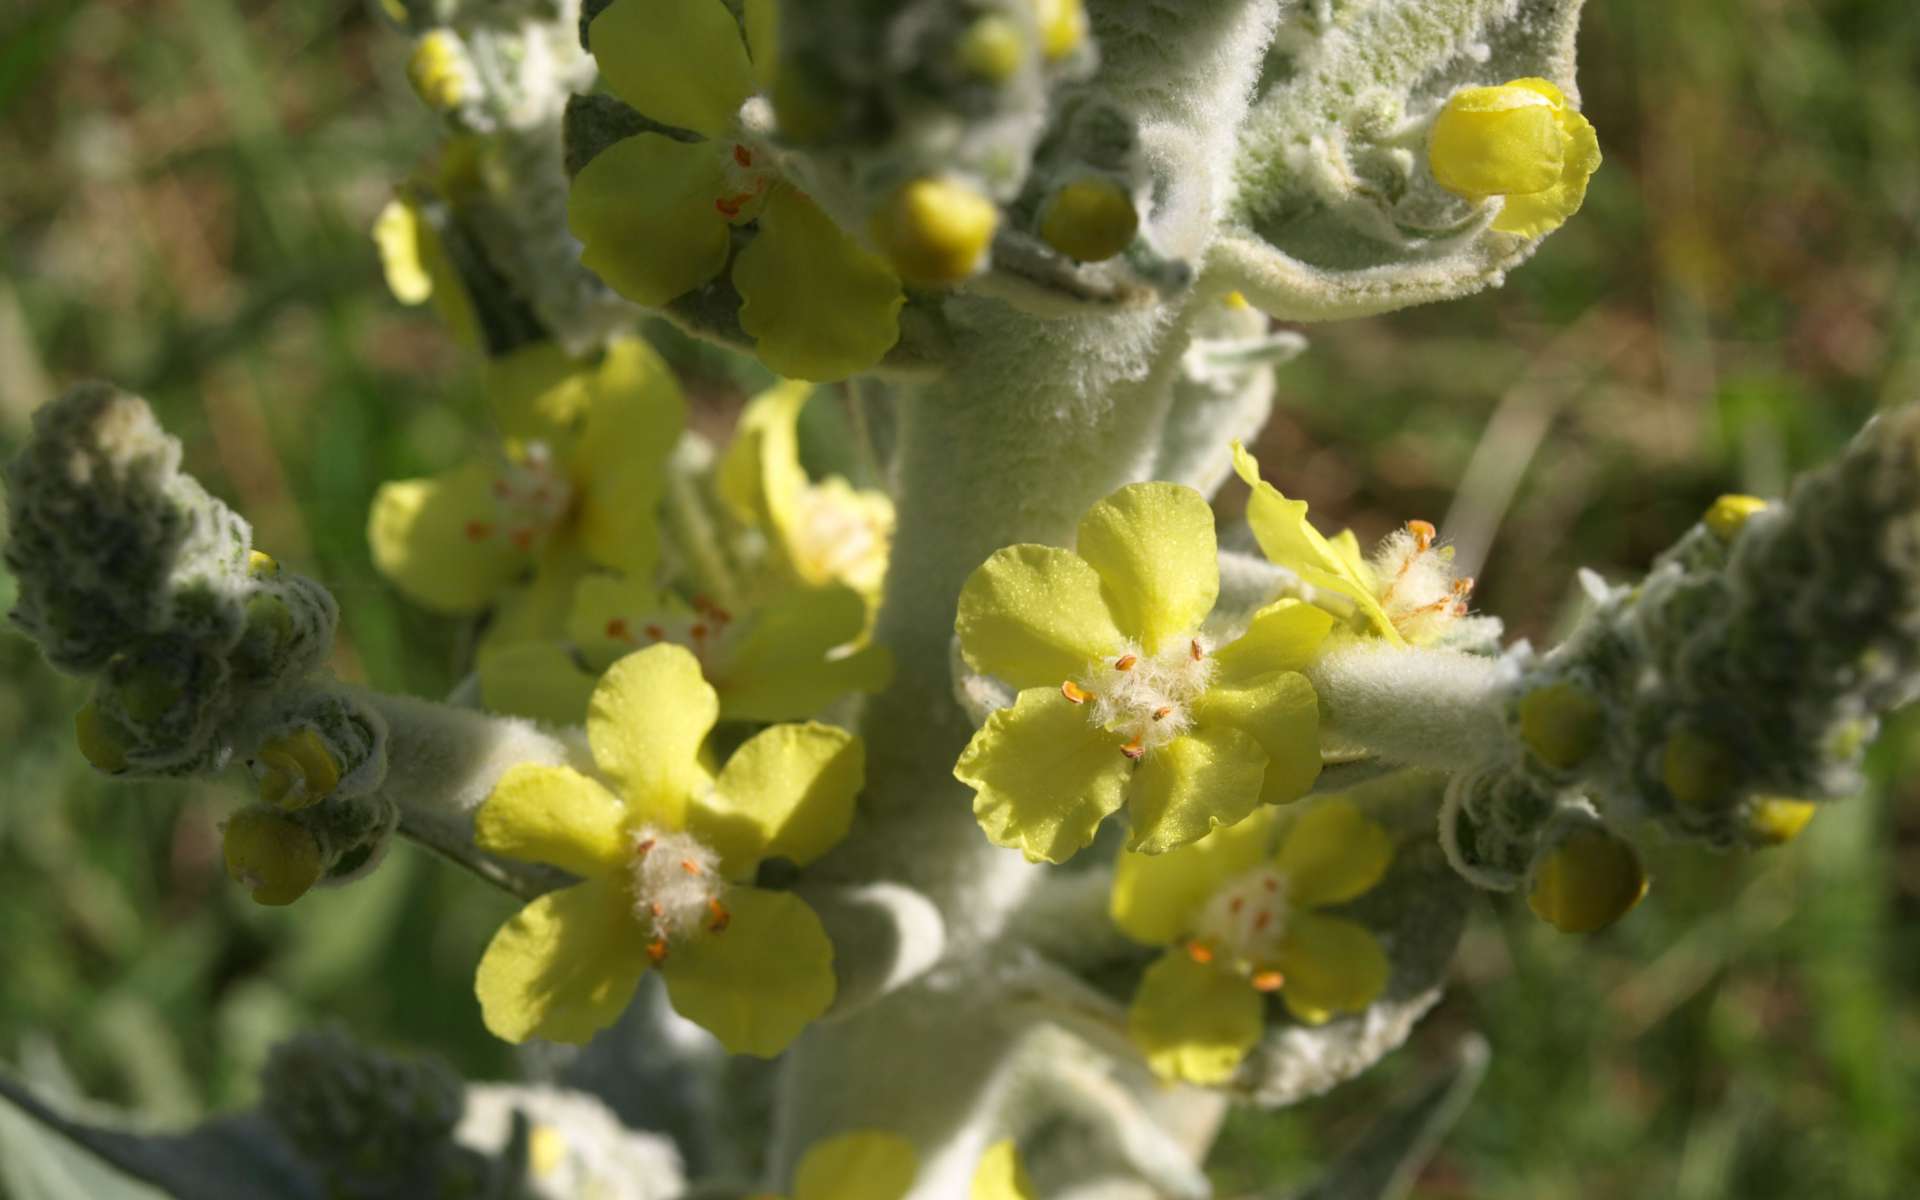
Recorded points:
(1242, 925)
(1406, 592)
(1520, 141)
(783, 659)
(872, 1165)
(656, 215)
(821, 533)
(414, 259)
(582, 473)
(665, 857)
(1124, 700)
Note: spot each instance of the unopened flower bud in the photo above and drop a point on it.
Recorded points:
(1587, 881)
(439, 71)
(993, 48)
(296, 770)
(1777, 820)
(1700, 772)
(1063, 26)
(935, 231)
(1089, 220)
(1729, 513)
(100, 741)
(1519, 140)
(1562, 724)
(272, 856)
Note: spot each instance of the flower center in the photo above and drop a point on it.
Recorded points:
(1242, 925)
(1418, 590)
(840, 538)
(705, 631)
(1147, 698)
(748, 171)
(531, 497)
(677, 888)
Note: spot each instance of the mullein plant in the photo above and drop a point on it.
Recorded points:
(1006, 815)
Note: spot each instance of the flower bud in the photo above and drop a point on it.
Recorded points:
(1089, 220)
(1700, 772)
(295, 770)
(1562, 724)
(935, 231)
(272, 856)
(1777, 820)
(1521, 141)
(1587, 881)
(1729, 513)
(100, 741)
(993, 48)
(1063, 26)
(438, 71)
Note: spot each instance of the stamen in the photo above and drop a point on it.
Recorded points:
(1134, 749)
(1267, 981)
(656, 633)
(1423, 535)
(1200, 952)
(640, 850)
(478, 531)
(689, 866)
(1075, 692)
(742, 155)
(618, 631)
(1198, 653)
(1161, 713)
(1263, 919)
(522, 538)
(1125, 662)
(657, 951)
(721, 917)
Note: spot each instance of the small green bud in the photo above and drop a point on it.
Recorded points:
(1589, 880)
(1089, 220)
(1729, 513)
(146, 694)
(935, 231)
(270, 855)
(295, 770)
(100, 741)
(1562, 724)
(1700, 772)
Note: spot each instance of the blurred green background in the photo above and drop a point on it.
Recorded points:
(185, 189)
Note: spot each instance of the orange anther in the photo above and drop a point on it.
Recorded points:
(500, 489)
(1075, 692)
(656, 633)
(697, 632)
(1263, 920)
(1163, 712)
(478, 531)
(1125, 662)
(1423, 534)
(657, 909)
(1134, 749)
(729, 206)
(618, 631)
(742, 155)
(1200, 952)
(689, 866)
(1272, 885)
(1239, 902)
(721, 917)
(1198, 653)
(718, 615)
(522, 538)
(643, 847)
(657, 951)
(1267, 981)
(702, 603)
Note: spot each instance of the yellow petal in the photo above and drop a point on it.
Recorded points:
(1496, 141)
(634, 422)
(1330, 966)
(1279, 711)
(647, 719)
(759, 982)
(681, 62)
(537, 392)
(1156, 897)
(564, 967)
(865, 1165)
(762, 21)
(434, 539)
(1001, 1175)
(783, 666)
(1193, 1022)
(1538, 213)
(1152, 544)
(537, 680)
(1287, 539)
(1332, 853)
(787, 792)
(760, 475)
(553, 815)
(1044, 777)
(1185, 789)
(609, 611)
(643, 211)
(396, 233)
(1284, 636)
(1034, 616)
(535, 609)
(818, 306)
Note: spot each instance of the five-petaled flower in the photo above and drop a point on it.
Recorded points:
(577, 485)
(666, 861)
(1239, 923)
(657, 215)
(1125, 700)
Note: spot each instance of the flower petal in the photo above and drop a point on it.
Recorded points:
(537, 680)
(783, 666)
(553, 815)
(1539, 213)
(1153, 546)
(564, 967)
(1286, 537)
(760, 474)
(1034, 616)
(1280, 712)
(1332, 853)
(1192, 785)
(1331, 966)
(537, 392)
(1001, 1175)
(1284, 636)
(643, 211)
(856, 1166)
(1156, 897)
(631, 429)
(680, 62)
(818, 305)
(646, 721)
(428, 538)
(756, 984)
(1193, 1022)
(1044, 777)
(787, 792)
